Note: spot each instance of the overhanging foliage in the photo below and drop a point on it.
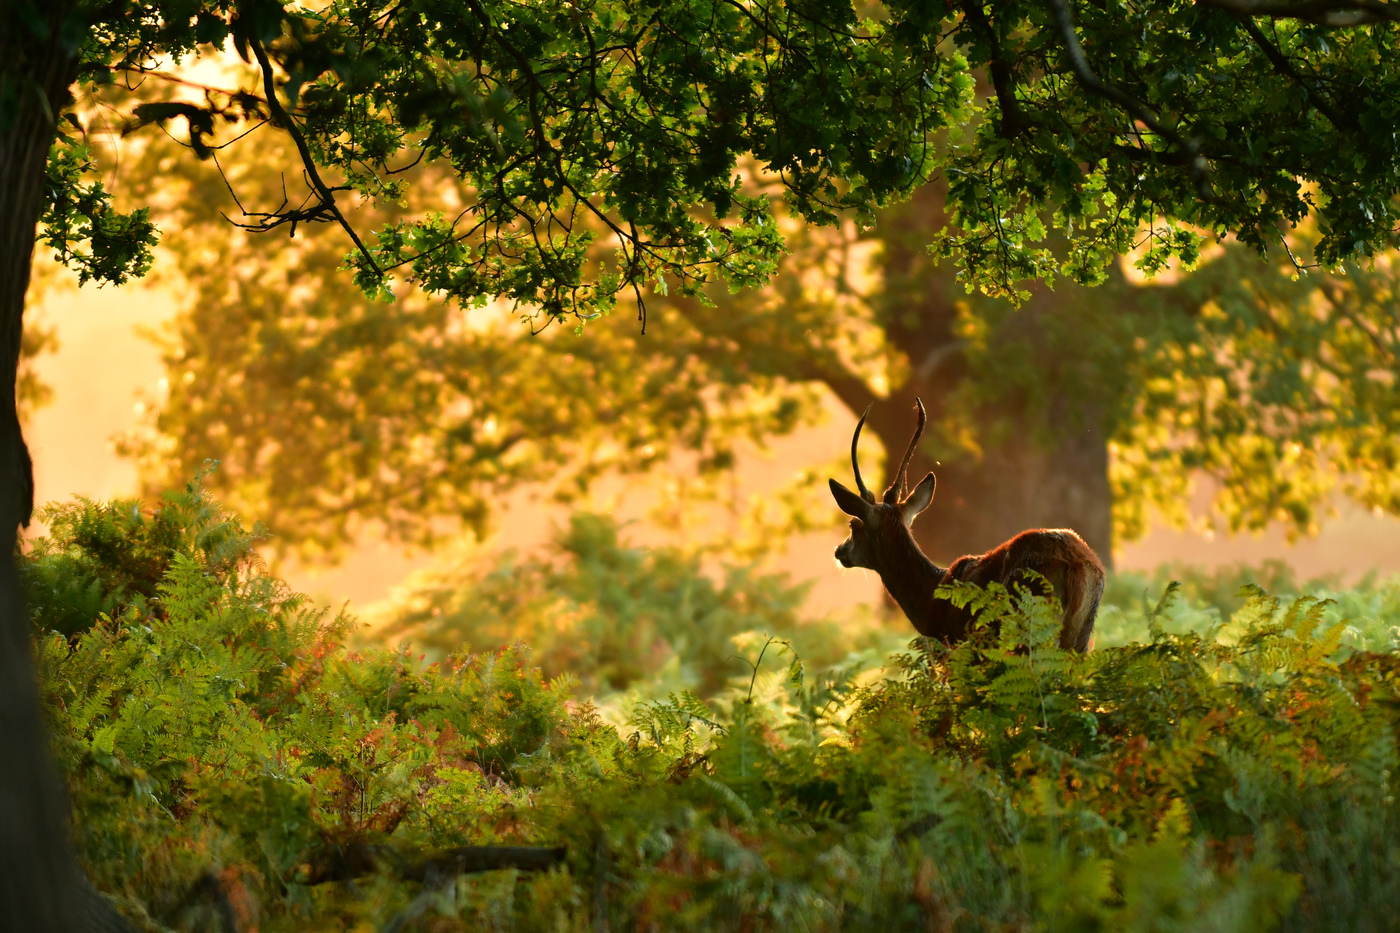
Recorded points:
(625, 123)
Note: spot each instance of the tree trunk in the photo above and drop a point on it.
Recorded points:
(40, 887)
(1044, 461)
(1018, 483)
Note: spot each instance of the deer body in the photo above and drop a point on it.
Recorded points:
(881, 540)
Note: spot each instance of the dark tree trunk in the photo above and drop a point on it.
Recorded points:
(40, 887)
(1044, 461)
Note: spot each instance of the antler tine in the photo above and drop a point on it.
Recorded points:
(865, 493)
(901, 479)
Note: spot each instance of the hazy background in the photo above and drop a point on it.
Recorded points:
(104, 368)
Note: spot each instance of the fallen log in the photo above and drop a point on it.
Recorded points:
(359, 859)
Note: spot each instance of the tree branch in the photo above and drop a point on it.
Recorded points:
(1138, 154)
(360, 859)
(937, 356)
(327, 195)
(185, 82)
(1284, 67)
(1337, 299)
(1199, 167)
(1013, 121)
(1334, 13)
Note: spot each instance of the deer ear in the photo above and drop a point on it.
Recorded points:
(849, 502)
(918, 500)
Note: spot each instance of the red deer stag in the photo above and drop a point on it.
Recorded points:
(881, 540)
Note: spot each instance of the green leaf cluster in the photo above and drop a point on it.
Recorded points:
(1281, 385)
(119, 244)
(1231, 780)
(600, 145)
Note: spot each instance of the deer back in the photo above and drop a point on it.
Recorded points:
(1059, 555)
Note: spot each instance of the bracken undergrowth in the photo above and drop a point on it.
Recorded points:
(234, 764)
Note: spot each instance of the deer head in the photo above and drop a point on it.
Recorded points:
(880, 531)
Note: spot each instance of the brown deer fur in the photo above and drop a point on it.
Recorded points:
(881, 540)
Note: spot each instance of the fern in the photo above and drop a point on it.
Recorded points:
(1235, 775)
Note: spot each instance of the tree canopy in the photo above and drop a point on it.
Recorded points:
(1139, 124)
(627, 125)
(618, 123)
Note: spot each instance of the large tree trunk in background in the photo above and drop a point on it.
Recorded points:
(1017, 484)
(1028, 476)
(41, 889)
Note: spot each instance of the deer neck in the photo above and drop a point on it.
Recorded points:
(910, 577)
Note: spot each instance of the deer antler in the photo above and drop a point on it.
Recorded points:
(865, 493)
(899, 488)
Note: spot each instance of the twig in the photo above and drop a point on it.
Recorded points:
(176, 79)
(755, 664)
(327, 204)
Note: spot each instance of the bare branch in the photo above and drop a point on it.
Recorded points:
(937, 356)
(358, 859)
(326, 205)
(185, 82)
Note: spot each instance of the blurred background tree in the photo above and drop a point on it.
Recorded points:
(329, 410)
(1085, 408)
